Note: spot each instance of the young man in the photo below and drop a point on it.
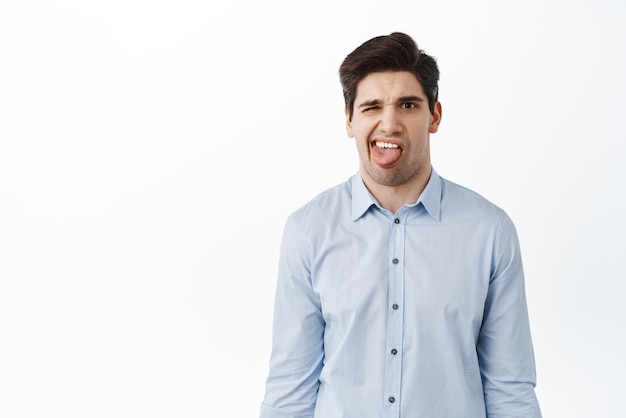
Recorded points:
(400, 294)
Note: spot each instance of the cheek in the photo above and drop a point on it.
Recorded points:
(362, 146)
(362, 131)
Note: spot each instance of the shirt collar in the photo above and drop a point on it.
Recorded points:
(430, 198)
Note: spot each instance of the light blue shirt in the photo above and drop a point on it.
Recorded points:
(416, 314)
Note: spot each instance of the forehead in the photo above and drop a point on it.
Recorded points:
(388, 85)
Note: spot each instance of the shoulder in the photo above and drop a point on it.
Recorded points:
(471, 214)
(330, 205)
(461, 202)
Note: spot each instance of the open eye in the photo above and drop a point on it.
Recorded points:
(408, 105)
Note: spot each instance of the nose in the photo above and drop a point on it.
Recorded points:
(389, 121)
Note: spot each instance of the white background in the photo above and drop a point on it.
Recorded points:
(150, 152)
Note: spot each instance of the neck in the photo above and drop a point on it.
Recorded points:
(393, 198)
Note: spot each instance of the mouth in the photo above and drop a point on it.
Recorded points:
(385, 153)
(383, 144)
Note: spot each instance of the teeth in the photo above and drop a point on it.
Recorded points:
(382, 144)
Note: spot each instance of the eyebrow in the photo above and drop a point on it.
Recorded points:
(402, 99)
(369, 103)
(411, 99)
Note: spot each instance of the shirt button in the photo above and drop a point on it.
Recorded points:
(392, 399)
(397, 220)
(395, 261)
(394, 351)
(395, 306)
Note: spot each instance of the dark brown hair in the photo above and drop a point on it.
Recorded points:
(394, 52)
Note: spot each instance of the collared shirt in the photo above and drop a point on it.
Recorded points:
(418, 313)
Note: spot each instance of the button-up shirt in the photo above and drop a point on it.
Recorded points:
(418, 313)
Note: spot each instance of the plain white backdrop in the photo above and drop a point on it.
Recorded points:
(150, 152)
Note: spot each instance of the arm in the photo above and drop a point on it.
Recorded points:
(298, 334)
(505, 351)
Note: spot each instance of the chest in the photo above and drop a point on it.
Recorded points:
(430, 270)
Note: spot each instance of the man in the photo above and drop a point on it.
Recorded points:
(400, 294)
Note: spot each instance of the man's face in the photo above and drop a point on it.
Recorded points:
(391, 123)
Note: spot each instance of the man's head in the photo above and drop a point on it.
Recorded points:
(394, 52)
(390, 90)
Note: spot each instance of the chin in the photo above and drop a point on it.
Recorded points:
(392, 176)
(390, 179)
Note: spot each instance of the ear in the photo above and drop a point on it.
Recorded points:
(349, 125)
(435, 118)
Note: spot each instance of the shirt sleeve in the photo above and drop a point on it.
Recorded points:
(504, 346)
(298, 332)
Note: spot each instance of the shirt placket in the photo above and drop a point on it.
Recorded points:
(395, 317)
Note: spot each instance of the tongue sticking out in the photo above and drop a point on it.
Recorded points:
(385, 157)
